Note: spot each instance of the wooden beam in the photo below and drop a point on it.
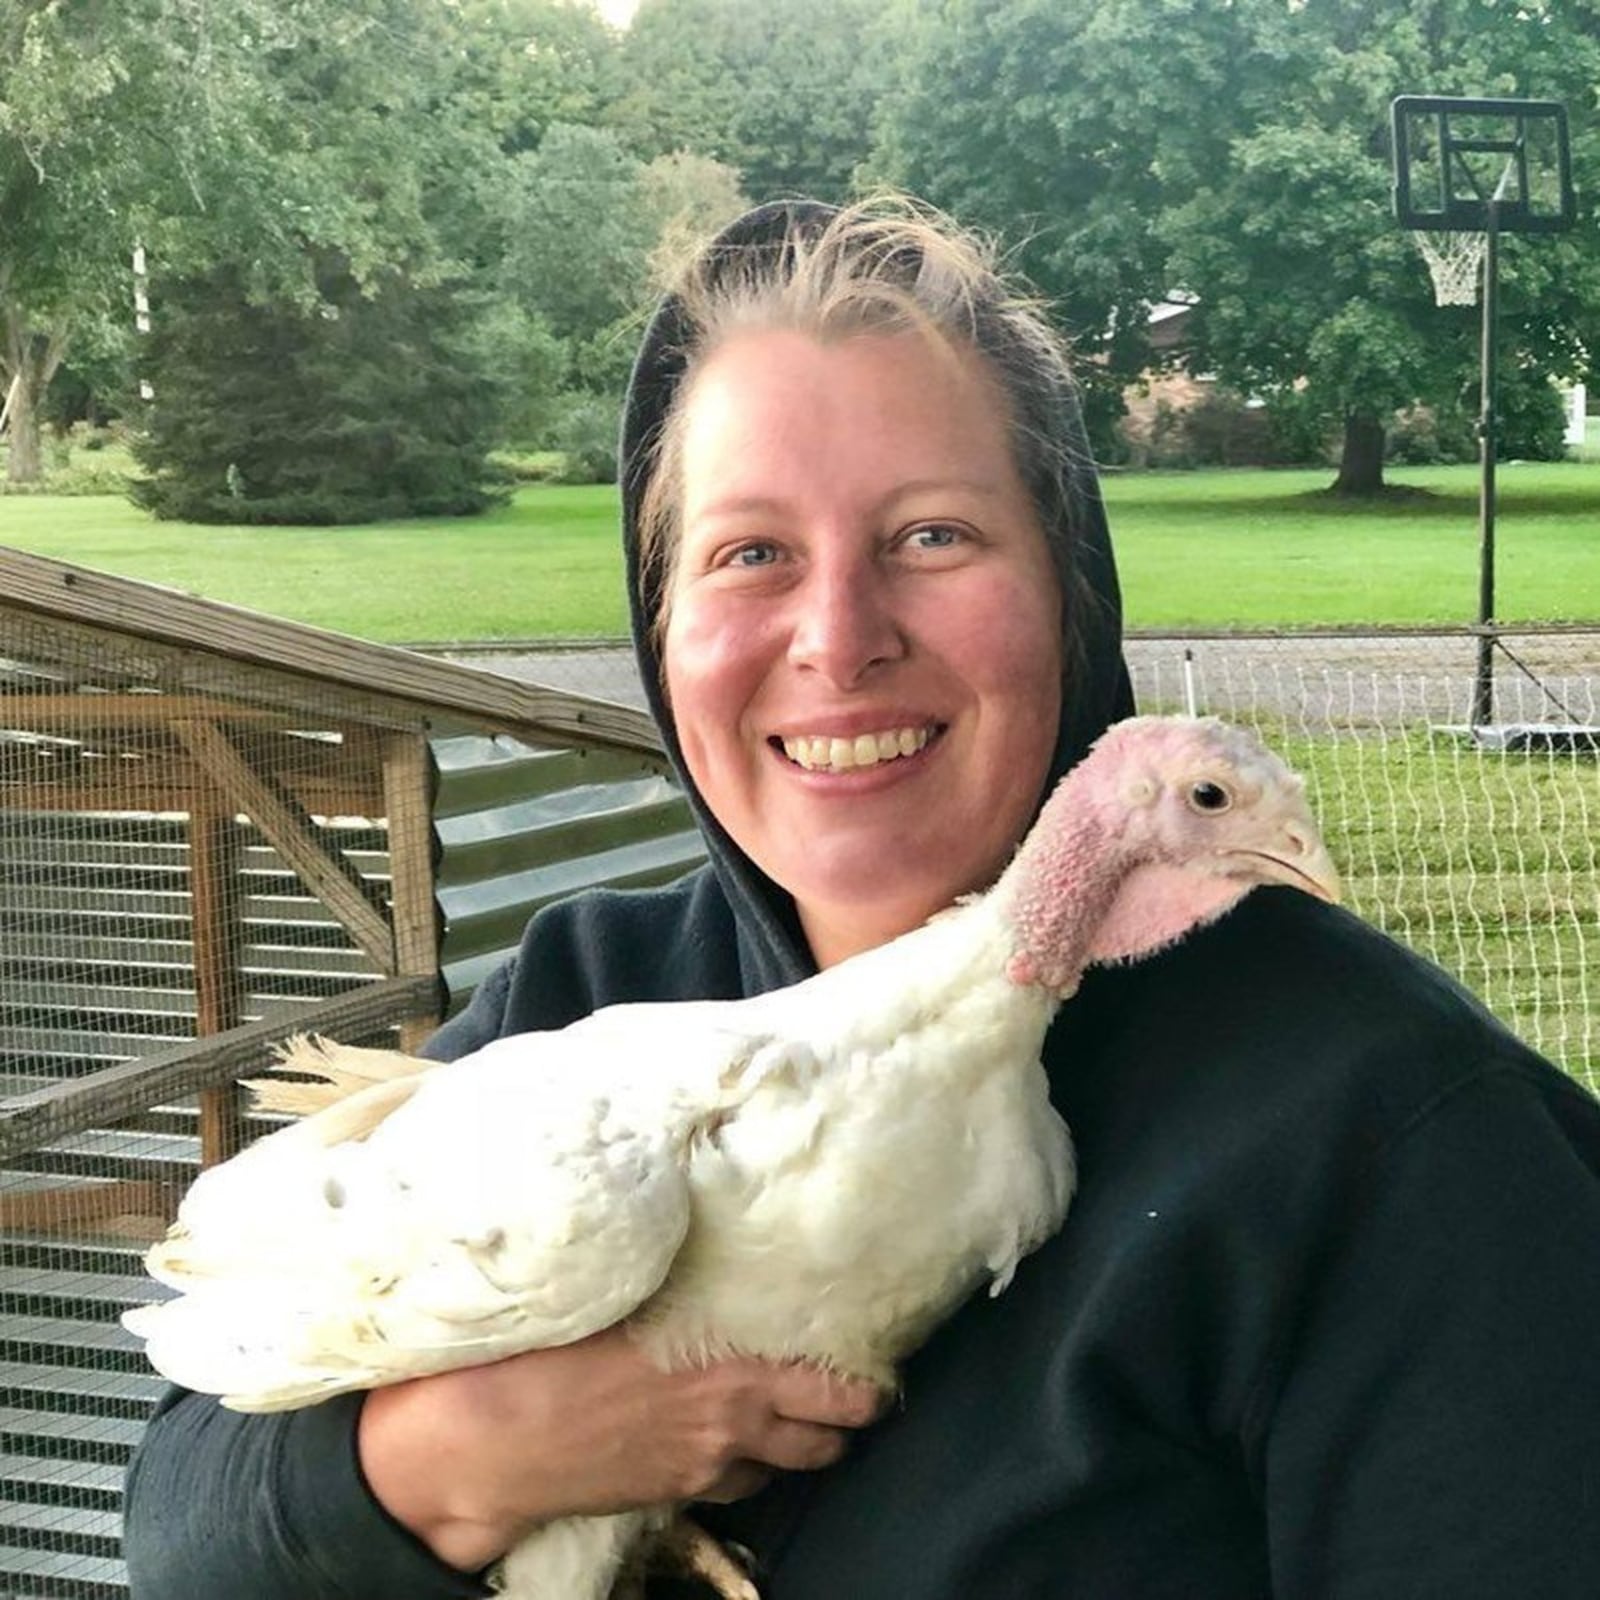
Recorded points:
(123, 791)
(288, 650)
(107, 1097)
(85, 1207)
(72, 713)
(291, 833)
(216, 896)
(407, 784)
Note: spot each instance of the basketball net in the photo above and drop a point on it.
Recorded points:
(1453, 261)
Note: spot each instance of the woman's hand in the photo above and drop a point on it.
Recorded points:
(470, 1460)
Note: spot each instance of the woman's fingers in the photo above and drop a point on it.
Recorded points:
(802, 1446)
(808, 1394)
(468, 1459)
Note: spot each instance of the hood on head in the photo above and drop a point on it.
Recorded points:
(1095, 693)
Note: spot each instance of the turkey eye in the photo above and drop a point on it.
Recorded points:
(1210, 797)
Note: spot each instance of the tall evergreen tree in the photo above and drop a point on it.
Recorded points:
(375, 403)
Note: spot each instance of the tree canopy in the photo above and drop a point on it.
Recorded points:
(528, 159)
(780, 90)
(1239, 153)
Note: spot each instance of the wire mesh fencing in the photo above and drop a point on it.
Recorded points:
(174, 865)
(1477, 847)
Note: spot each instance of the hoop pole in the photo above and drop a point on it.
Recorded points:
(1483, 683)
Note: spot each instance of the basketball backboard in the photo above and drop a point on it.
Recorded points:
(1452, 156)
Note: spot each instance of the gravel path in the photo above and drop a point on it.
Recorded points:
(1321, 680)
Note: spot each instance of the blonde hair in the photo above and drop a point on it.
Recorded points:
(881, 266)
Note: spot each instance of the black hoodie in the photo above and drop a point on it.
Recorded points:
(1323, 1321)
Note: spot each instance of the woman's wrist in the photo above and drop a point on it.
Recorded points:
(404, 1463)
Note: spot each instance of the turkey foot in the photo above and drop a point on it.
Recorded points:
(689, 1547)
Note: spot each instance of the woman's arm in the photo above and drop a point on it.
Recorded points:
(470, 1460)
(267, 1508)
(411, 1490)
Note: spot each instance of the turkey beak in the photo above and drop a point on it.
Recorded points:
(1296, 855)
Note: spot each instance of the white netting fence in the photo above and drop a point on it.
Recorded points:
(1483, 853)
(1479, 848)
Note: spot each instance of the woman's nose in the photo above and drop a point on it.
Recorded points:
(845, 623)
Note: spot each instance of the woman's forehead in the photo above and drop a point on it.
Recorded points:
(773, 404)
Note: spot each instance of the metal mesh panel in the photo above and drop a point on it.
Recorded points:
(174, 864)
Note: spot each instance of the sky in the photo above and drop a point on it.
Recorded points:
(619, 13)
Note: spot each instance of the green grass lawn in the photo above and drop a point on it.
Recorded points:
(1268, 547)
(546, 565)
(1241, 547)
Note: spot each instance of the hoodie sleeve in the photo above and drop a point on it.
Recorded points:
(267, 1508)
(482, 1020)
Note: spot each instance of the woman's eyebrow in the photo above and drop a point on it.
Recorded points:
(985, 488)
(736, 505)
(763, 505)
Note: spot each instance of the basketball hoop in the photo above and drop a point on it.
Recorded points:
(1466, 172)
(1453, 262)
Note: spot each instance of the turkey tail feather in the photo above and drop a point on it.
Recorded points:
(339, 1071)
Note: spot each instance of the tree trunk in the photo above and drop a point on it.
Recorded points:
(1361, 463)
(33, 358)
(26, 464)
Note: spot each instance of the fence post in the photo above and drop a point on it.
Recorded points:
(407, 790)
(215, 853)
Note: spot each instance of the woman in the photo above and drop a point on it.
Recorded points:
(1323, 1319)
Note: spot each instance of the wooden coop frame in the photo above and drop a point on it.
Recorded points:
(226, 674)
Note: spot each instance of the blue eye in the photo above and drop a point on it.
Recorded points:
(755, 554)
(934, 536)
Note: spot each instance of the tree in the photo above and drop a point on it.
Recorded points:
(329, 347)
(525, 65)
(1238, 151)
(1303, 277)
(1013, 115)
(375, 403)
(780, 90)
(687, 198)
(590, 229)
(100, 110)
(578, 234)
(268, 132)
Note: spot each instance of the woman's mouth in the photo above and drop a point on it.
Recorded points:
(824, 753)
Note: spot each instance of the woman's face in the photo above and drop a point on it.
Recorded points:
(863, 640)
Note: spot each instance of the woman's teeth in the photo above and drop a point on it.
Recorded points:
(865, 750)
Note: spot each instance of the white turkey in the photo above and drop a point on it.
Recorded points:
(822, 1173)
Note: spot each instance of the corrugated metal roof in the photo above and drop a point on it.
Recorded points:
(519, 825)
